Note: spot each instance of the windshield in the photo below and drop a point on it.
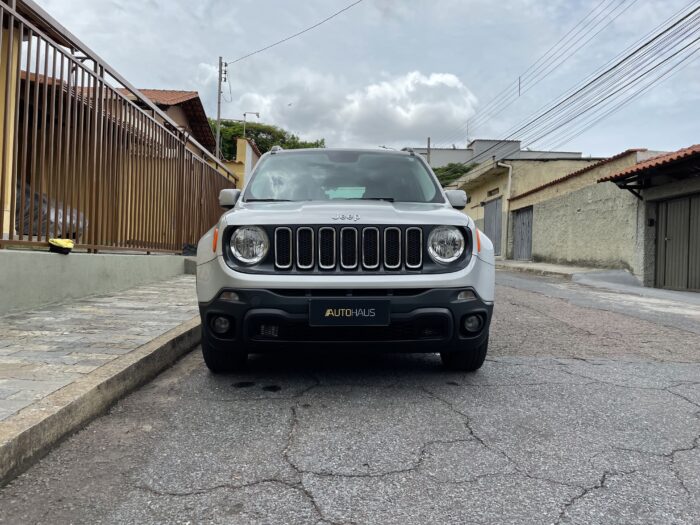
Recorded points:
(339, 175)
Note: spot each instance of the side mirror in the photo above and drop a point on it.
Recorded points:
(228, 198)
(457, 198)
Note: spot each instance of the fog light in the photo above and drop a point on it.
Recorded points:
(220, 325)
(472, 323)
(466, 295)
(269, 330)
(229, 296)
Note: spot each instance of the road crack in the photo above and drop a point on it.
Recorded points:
(589, 490)
(518, 470)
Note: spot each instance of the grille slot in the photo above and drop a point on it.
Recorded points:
(336, 248)
(283, 248)
(392, 248)
(348, 248)
(370, 248)
(414, 248)
(305, 248)
(326, 248)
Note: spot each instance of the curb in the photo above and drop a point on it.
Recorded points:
(536, 271)
(34, 430)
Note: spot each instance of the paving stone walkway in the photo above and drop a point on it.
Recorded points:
(46, 349)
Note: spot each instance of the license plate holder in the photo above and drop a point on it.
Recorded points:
(349, 312)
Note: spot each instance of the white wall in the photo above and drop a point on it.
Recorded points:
(30, 279)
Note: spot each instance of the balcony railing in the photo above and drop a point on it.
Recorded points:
(80, 160)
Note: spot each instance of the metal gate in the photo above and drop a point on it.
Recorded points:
(678, 244)
(492, 223)
(522, 234)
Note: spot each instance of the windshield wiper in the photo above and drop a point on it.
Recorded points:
(268, 200)
(387, 199)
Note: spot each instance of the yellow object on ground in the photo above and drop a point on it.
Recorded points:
(63, 246)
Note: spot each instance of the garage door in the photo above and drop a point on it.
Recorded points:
(678, 244)
(492, 223)
(522, 234)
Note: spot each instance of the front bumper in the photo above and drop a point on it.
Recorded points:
(420, 320)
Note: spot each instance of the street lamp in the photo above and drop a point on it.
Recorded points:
(244, 116)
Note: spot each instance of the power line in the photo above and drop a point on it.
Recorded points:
(555, 56)
(595, 94)
(290, 37)
(613, 60)
(629, 49)
(558, 59)
(625, 80)
(629, 85)
(224, 65)
(682, 64)
(569, 135)
(608, 70)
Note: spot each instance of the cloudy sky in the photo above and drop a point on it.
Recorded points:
(386, 72)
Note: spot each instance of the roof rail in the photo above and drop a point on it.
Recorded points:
(275, 149)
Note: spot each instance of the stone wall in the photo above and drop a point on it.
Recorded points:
(594, 226)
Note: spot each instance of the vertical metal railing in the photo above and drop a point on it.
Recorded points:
(82, 161)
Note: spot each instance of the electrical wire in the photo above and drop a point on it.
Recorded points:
(646, 58)
(581, 90)
(527, 85)
(634, 48)
(676, 68)
(290, 37)
(567, 46)
(630, 85)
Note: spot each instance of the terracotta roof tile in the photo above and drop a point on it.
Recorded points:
(254, 146)
(164, 97)
(191, 104)
(578, 172)
(655, 162)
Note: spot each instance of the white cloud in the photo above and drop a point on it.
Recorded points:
(386, 71)
(395, 111)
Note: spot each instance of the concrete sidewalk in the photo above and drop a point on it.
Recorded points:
(60, 358)
(618, 281)
(539, 268)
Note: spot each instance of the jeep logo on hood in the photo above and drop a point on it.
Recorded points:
(346, 217)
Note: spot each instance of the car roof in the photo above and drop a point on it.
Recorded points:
(349, 150)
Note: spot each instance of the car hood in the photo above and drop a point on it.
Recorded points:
(344, 212)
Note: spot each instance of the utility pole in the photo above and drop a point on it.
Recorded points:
(218, 109)
(245, 114)
(428, 155)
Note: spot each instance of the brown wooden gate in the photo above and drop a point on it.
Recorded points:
(678, 244)
(522, 234)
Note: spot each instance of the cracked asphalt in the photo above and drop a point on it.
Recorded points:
(587, 411)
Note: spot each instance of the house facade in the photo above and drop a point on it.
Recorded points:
(481, 150)
(666, 189)
(555, 221)
(86, 156)
(638, 210)
(185, 108)
(492, 184)
(247, 156)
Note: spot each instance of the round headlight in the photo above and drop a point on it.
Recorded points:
(445, 244)
(249, 244)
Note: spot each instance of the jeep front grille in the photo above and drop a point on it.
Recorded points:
(348, 248)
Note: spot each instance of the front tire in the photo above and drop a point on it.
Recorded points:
(465, 360)
(223, 362)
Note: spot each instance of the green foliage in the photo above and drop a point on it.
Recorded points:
(264, 135)
(451, 172)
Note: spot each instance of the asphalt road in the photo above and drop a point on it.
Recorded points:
(585, 412)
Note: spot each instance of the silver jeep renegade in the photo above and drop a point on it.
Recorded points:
(338, 247)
